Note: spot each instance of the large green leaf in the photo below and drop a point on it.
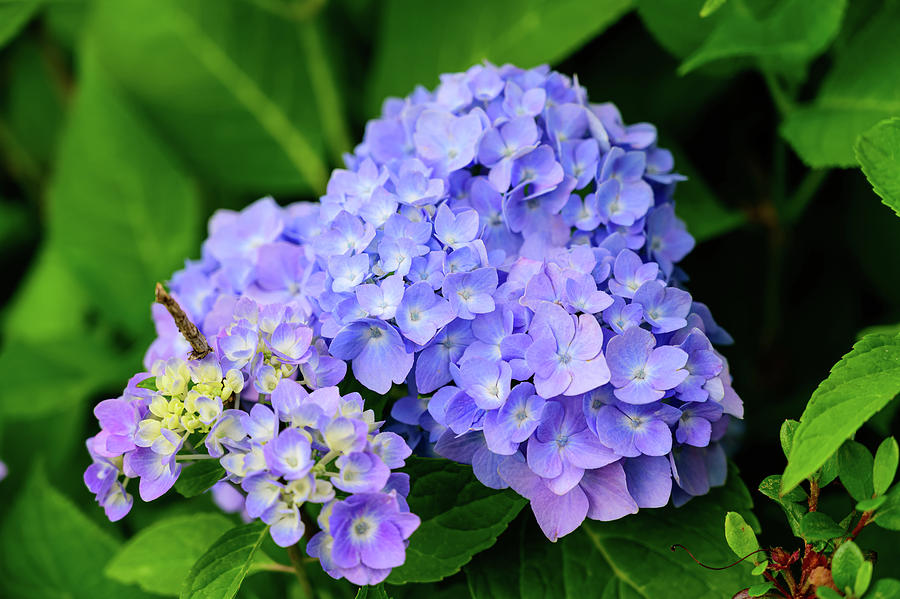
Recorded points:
(631, 557)
(14, 14)
(460, 517)
(860, 90)
(862, 383)
(420, 40)
(44, 378)
(227, 84)
(219, 572)
(36, 313)
(51, 550)
(795, 31)
(33, 109)
(122, 210)
(878, 152)
(159, 557)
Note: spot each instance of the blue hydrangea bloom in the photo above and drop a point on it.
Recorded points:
(505, 252)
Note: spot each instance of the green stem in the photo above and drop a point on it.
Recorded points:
(187, 457)
(783, 103)
(299, 569)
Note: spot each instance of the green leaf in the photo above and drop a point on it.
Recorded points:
(863, 579)
(761, 568)
(159, 557)
(445, 37)
(36, 314)
(818, 526)
(739, 535)
(886, 588)
(878, 152)
(855, 95)
(758, 590)
(827, 593)
(828, 472)
(676, 24)
(34, 108)
(629, 558)
(771, 488)
(862, 383)
(786, 435)
(51, 549)
(460, 517)
(148, 383)
(237, 64)
(125, 212)
(885, 466)
(372, 592)
(14, 14)
(855, 462)
(199, 477)
(80, 365)
(711, 6)
(794, 32)
(845, 564)
(868, 505)
(888, 515)
(219, 572)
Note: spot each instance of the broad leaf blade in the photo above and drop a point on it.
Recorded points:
(160, 556)
(460, 517)
(855, 96)
(51, 549)
(630, 557)
(420, 40)
(794, 32)
(862, 383)
(122, 208)
(236, 64)
(878, 152)
(14, 14)
(219, 572)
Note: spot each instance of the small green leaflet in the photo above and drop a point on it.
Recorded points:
(198, 477)
(739, 535)
(818, 526)
(148, 383)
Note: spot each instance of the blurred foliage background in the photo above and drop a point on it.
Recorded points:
(125, 124)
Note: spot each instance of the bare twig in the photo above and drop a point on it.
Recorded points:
(185, 326)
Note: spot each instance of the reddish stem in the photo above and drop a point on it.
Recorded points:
(813, 494)
(863, 521)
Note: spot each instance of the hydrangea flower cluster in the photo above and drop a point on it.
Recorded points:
(281, 444)
(502, 254)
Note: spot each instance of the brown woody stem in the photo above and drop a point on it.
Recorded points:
(187, 328)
